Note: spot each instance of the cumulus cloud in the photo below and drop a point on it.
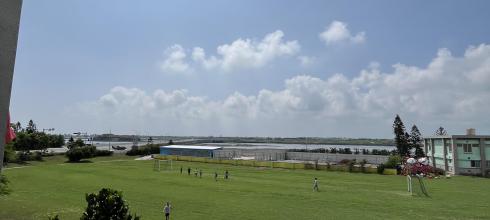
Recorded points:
(175, 60)
(338, 31)
(306, 60)
(239, 54)
(449, 91)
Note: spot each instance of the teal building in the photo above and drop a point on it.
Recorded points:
(460, 154)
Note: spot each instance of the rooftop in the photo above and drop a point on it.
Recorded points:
(193, 147)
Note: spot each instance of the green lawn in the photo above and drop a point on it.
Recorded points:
(55, 187)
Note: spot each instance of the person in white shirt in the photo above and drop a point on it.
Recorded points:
(315, 185)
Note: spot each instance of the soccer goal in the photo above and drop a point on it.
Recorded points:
(162, 165)
(416, 185)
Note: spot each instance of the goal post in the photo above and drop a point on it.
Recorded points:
(160, 165)
(416, 185)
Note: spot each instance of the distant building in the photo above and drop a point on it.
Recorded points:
(460, 154)
(188, 150)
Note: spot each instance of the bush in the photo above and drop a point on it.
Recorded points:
(344, 161)
(4, 190)
(103, 153)
(28, 156)
(351, 165)
(393, 161)
(78, 153)
(380, 169)
(56, 217)
(107, 204)
(439, 171)
(363, 164)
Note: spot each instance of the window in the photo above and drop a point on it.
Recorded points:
(467, 148)
(488, 163)
(475, 163)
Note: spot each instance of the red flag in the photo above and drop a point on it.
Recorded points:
(10, 135)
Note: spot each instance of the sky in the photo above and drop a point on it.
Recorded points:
(253, 68)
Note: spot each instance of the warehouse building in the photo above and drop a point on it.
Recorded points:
(188, 150)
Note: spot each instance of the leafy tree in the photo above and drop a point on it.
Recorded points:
(31, 127)
(441, 131)
(401, 140)
(107, 204)
(74, 144)
(416, 142)
(170, 142)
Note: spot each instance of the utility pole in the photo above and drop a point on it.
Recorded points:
(9, 26)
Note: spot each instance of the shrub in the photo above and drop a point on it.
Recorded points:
(103, 153)
(107, 204)
(393, 161)
(56, 217)
(28, 156)
(78, 153)
(344, 161)
(363, 164)
(4, 190)
(380, 168)
(439, 171)
(351, 165)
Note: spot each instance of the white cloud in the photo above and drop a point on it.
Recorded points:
(450, 91)
(240, 54)
(306, 61)
(337, 32)
(175, 60)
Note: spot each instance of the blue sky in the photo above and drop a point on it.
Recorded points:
(107, 65)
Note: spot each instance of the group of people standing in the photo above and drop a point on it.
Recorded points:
(198, 172)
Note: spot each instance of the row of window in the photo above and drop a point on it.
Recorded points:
(468, 148)
(477, 163)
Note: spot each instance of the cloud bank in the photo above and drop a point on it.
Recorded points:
(451, 91)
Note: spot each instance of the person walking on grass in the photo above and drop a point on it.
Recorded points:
(315, 185)
(226, 174)
(180, 169)
(215, 176)
(200, 173)
(166, 210)
(188, 171)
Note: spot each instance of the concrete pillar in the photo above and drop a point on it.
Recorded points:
(9, 27)
(483, 164)
(444, 151)
(455, 156)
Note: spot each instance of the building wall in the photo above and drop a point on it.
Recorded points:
(465, 158)
(186, 152)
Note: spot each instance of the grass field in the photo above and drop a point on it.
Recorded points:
(55, 187)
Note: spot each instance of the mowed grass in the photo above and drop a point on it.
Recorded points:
(55, 187)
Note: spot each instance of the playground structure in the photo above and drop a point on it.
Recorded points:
(416, 170)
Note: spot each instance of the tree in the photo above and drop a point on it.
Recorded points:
(31, 127)
(401, 141)
(416, 142)
(74, 144)
(441, 131)
(107, 204)
(170, 142)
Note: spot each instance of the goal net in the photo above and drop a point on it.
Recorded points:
(162, 165)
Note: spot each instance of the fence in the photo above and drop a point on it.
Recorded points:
(274, 155)
(276, 164)
(327, 157)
